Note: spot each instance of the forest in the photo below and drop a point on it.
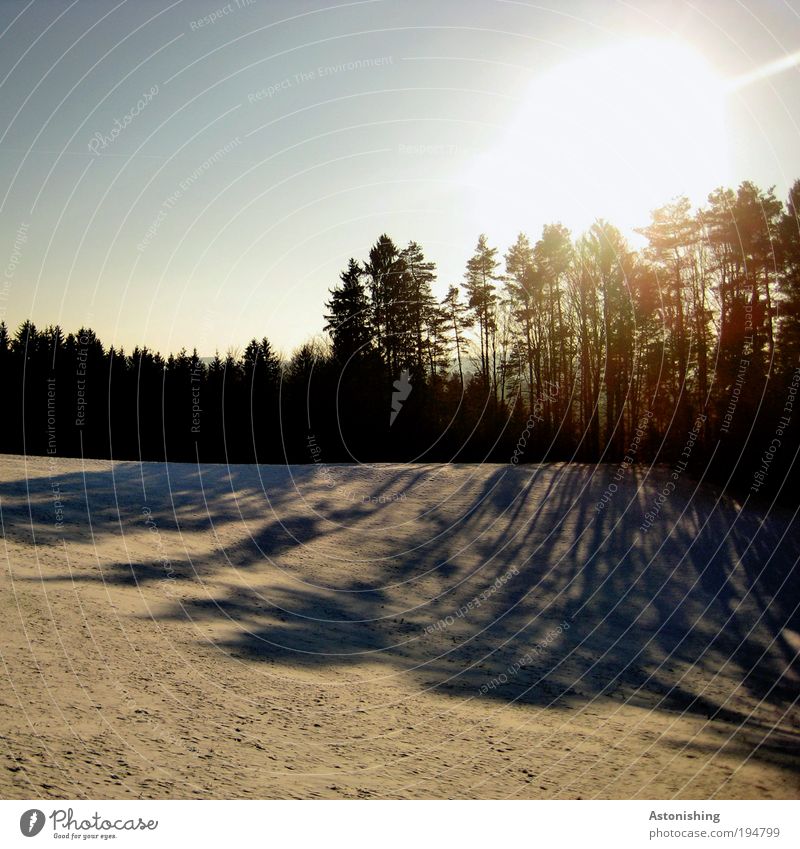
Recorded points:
(684, 352)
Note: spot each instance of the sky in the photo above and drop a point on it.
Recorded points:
(197, 174)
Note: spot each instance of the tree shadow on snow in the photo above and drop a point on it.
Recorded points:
(514, 589)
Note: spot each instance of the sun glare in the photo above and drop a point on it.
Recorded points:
(613, 135)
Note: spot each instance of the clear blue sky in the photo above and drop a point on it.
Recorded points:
(245, 174)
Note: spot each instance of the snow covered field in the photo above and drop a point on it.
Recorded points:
(392, 631)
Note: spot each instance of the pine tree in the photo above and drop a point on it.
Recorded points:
(458, 321)
(388, 286)
(789, 308)
(480, 278)
(420, 307)
(519, 279)
(348, 315)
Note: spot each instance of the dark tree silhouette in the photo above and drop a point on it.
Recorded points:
(587, 344)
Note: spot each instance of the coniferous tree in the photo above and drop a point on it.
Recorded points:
(420, 274)
(479, 281)
(388, 286)
(458, 321)
(592, 337)
(789, 282)
(521, 288)
(348, 317)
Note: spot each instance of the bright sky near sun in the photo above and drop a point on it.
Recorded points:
(199, 173)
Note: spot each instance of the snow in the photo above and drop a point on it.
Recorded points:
(175, 630)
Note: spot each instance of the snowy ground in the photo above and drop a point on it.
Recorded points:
(175, 631)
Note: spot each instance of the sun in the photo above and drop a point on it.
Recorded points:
(610, 135)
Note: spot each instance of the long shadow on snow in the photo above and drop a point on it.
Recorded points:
(654, 617)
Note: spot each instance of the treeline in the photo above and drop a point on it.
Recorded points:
(686, 351)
